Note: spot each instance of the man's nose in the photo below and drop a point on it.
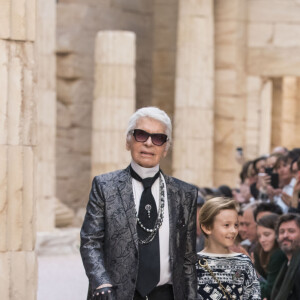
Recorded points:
(148, 142)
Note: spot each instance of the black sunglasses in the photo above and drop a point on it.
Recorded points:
(142, 136)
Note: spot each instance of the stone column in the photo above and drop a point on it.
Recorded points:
(114, 99)
(230, 88)
(289, 111)
(258, 117)
(164, 61)
(46, 91)
(18, 276)
(194, 94)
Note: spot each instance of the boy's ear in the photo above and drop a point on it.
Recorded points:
(205, 229)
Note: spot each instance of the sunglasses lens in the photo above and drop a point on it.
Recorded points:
(140, 135)
(159, 139)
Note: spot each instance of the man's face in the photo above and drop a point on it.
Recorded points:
(284, 173)
(260, 166)
(242, 228)
(146, 154)
(250, 225)
(289, 237)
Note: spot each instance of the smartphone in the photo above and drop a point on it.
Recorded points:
(274, 180)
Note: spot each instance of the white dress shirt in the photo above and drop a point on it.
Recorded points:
(164, 231)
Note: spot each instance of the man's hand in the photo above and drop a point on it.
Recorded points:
(103, 292)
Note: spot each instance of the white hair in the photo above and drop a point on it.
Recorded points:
(153, 113)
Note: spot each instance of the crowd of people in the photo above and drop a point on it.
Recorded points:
(268, 205)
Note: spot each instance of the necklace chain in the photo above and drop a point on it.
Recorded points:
(160, 216)
(207, 268)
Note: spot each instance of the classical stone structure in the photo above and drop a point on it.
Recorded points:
(226, 72)
(18, 159)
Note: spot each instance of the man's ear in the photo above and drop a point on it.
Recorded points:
(205, 229)
(127, 146)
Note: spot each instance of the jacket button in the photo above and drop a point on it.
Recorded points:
(132, 280)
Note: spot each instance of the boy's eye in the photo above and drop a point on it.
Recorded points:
(236, 225)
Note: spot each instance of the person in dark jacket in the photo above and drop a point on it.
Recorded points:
(287, 285)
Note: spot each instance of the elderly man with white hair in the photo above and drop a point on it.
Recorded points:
(139, 233)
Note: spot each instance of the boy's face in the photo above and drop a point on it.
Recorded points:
(224, 231)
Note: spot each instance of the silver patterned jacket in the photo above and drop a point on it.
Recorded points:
(109, 241)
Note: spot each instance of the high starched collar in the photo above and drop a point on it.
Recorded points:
(144, 172)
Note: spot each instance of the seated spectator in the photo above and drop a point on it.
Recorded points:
(268, 257)
(265, 208)
(286, 286)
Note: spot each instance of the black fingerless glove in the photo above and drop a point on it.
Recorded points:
(105, 293)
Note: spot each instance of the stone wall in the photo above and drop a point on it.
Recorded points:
(18, 140)
(78, 22)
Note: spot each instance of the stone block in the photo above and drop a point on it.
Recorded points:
(46, 71)
(165, 15)
(3, 90)
(73, 66)
(272, 11)
(260, 34)
(137, 6)
(165, 38)
(29, 109)
(81, 115)
(187, 118)
(14, 108)
(273, 61)
(108, 48)
(29, 199)
(46, 143)
(23, 275)
(225, 106)
(15, 198)
(193, 160)
(31, 13)
(5, 19)
(3, 199)
(46, 108)
(287, 35)
(81, 140)
(163, 62)
(114, 81)
(18, 20)
(231, 10)
(229, 82)
(229, 178)
(63, 116)
(193, 8)
(112, 114)
(46, 187)
(75, 91)
(5, 265)
(290, 87)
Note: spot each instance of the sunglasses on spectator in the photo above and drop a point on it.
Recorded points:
(142, 136)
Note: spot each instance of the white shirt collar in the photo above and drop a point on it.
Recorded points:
(144, 172)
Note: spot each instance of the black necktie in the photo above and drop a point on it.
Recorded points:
(149, 258)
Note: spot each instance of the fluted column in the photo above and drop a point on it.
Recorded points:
(230, 88)
(114, 99)
(18, 275)
(194, 94)
(46, 91)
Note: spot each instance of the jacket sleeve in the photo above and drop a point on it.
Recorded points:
(190, 254)
(92, 237)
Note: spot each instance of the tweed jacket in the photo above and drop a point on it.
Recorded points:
(109, 241)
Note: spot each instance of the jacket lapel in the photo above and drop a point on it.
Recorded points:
(126, 196)
(173, 203)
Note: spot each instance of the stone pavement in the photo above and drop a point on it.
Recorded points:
(61, 275)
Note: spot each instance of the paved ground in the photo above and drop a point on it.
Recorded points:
(61, 277)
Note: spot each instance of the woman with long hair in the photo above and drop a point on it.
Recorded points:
(268, 256)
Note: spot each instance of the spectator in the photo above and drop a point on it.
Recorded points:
(264, 208)
(287, 282)
(268, 257)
